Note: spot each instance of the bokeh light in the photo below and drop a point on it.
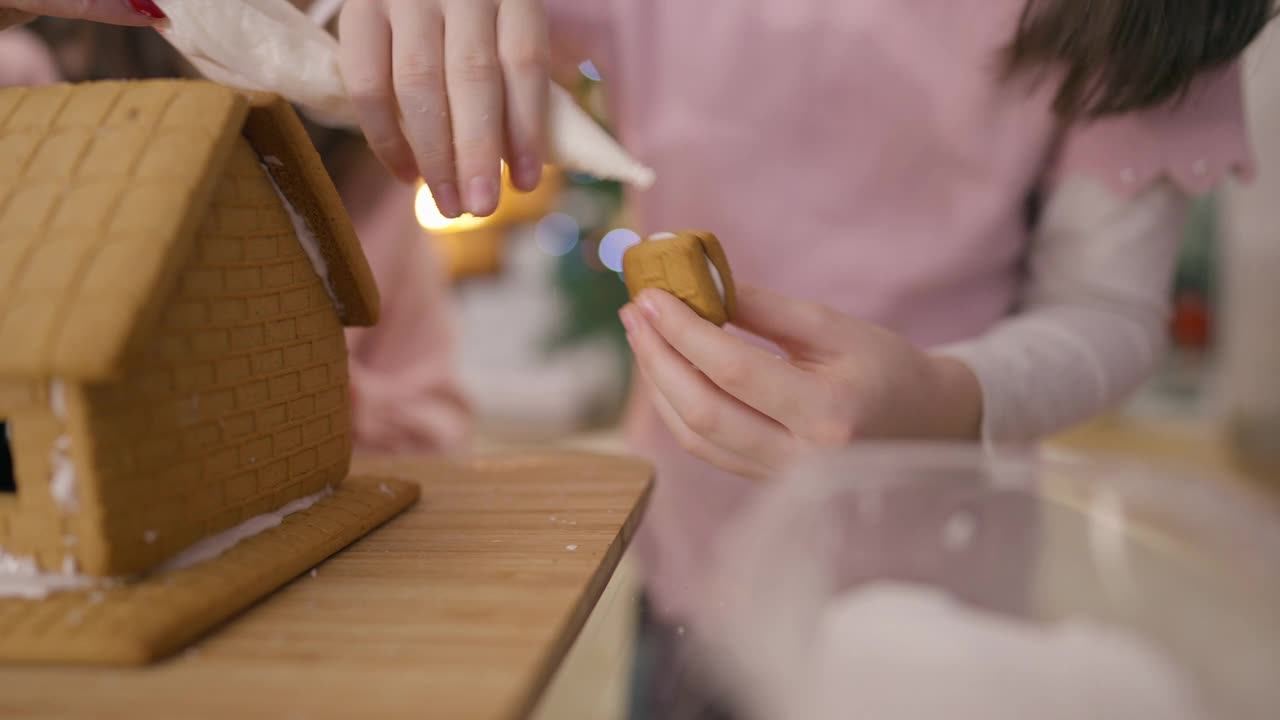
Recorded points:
(556, 234)
(614, 244)
(588, 70)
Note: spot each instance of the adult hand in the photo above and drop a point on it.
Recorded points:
(751, 412)
(115, 12)
(445, 89)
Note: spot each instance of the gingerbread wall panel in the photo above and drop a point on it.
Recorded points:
(237, 403)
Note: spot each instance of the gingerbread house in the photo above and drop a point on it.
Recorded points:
(176, 270)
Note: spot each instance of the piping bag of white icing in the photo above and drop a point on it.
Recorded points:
(271, 46)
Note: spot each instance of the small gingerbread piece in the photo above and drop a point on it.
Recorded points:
(690, 265)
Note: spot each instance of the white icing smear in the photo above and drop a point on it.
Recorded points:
(62, 475)
(909, 653)
(20, 578)
(215, 545)
(307, 238)
(58, 399)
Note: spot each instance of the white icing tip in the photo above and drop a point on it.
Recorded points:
(579, 144)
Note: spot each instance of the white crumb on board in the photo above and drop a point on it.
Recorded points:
(570, 548)
(307, 238)
(62, 475)
(716, 278)
(214, 545)
(75, 617)
(876, 648)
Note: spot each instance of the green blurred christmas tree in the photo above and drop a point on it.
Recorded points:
(593, 292)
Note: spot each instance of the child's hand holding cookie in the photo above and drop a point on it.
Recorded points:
(751, 412)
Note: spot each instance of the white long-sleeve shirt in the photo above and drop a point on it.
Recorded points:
(1092, 323)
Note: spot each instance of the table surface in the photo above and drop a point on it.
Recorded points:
(462, 607)
(1201, 450)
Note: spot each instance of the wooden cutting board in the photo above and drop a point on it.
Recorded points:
(462, 607)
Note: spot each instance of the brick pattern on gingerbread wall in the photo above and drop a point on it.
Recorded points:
(237, 403)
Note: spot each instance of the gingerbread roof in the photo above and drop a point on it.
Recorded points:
(102, 189)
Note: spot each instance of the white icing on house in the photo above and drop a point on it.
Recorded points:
(21, 578)
(215, 545)
(62, 475)
(307, 238)
(58, 399)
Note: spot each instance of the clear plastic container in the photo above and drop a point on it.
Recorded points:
(1144, 564)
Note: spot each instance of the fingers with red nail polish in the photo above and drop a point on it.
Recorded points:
(114, 12)
(147, 8)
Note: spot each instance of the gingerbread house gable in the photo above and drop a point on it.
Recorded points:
(102, 187)
(175, 271)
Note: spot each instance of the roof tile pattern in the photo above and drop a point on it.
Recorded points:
(99, 186)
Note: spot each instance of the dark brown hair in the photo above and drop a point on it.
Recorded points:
(1118, 56)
